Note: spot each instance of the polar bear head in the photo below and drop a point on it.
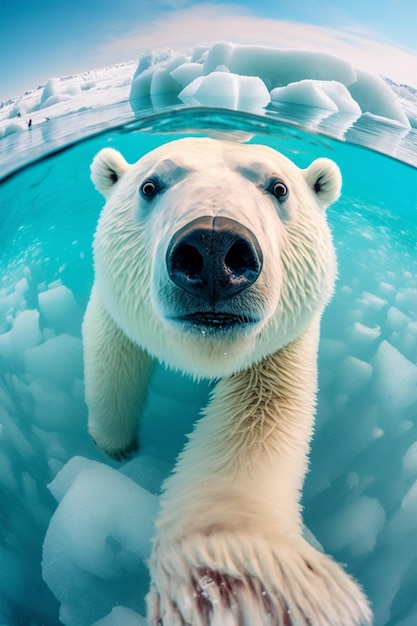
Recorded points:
(211, 254)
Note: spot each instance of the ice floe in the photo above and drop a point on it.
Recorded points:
(299, 85)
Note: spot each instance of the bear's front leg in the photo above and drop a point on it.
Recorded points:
(117, 374)
(229, 549)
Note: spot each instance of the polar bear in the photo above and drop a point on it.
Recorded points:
(215, 258)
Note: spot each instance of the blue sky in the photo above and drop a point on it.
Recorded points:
(44, 38)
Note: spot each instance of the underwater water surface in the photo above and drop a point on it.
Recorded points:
(75, 528)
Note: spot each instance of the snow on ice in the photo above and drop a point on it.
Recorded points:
(65, 95)
(244, 77)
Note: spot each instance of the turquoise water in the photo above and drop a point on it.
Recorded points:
(360, 495)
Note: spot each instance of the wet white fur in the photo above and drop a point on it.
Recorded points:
(229, 549)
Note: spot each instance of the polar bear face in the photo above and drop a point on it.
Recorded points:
(211, 254)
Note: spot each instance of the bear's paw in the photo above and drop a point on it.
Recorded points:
(241, 580)
(119, 453)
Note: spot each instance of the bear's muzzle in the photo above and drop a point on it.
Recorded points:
(214, 259)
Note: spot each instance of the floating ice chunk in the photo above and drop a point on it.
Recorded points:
(333, 349)
(59, 308)
(374, 96)
(147, 471)
(187, 72)
(330, 95)
(63, 481)
(163, 88)
(70, 94)
(163, 81)
(219, 54)
(405, 340)
(56, 283)
(150, 59)
(346, 291)
(409, 345)
(54, 410)
(154, 79)
(395, 386)
(13, 127)
(58, 90)
(311, 78)
(122, 616)
(372, 303)
(22, 286)
(354, 374)
(141, 88)
(406, 300)
(352, 480)
(14, 435)
(279, 67)
(396, 319)
(412, 329)
(52, 94)
(51, 89)
(359, 335)
(100, 504)
(56, 448)
(404, 521)
(225, 89)
(386, 290)
(387, 134)
(18, 109)
(304, 92)
(199, 54)
(24, 334)
(410, 461)
(340, 96)
(7, 477)
(356, 526)
(59, 359)
(97, 541)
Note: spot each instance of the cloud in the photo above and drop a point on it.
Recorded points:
(177, 30)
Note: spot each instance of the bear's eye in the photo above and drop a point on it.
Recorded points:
(149, 188)
(278, 189)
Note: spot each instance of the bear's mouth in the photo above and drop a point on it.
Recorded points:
(216, 321)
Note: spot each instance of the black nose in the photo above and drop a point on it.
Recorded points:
(214, 258)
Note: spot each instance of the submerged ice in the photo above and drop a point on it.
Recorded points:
(88, 533)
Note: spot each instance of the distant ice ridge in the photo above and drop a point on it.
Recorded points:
(242, 77)
(68, 94)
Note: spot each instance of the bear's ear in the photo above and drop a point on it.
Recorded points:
(325, 180)
(106, 169)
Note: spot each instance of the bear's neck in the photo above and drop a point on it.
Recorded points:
(249, 452)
